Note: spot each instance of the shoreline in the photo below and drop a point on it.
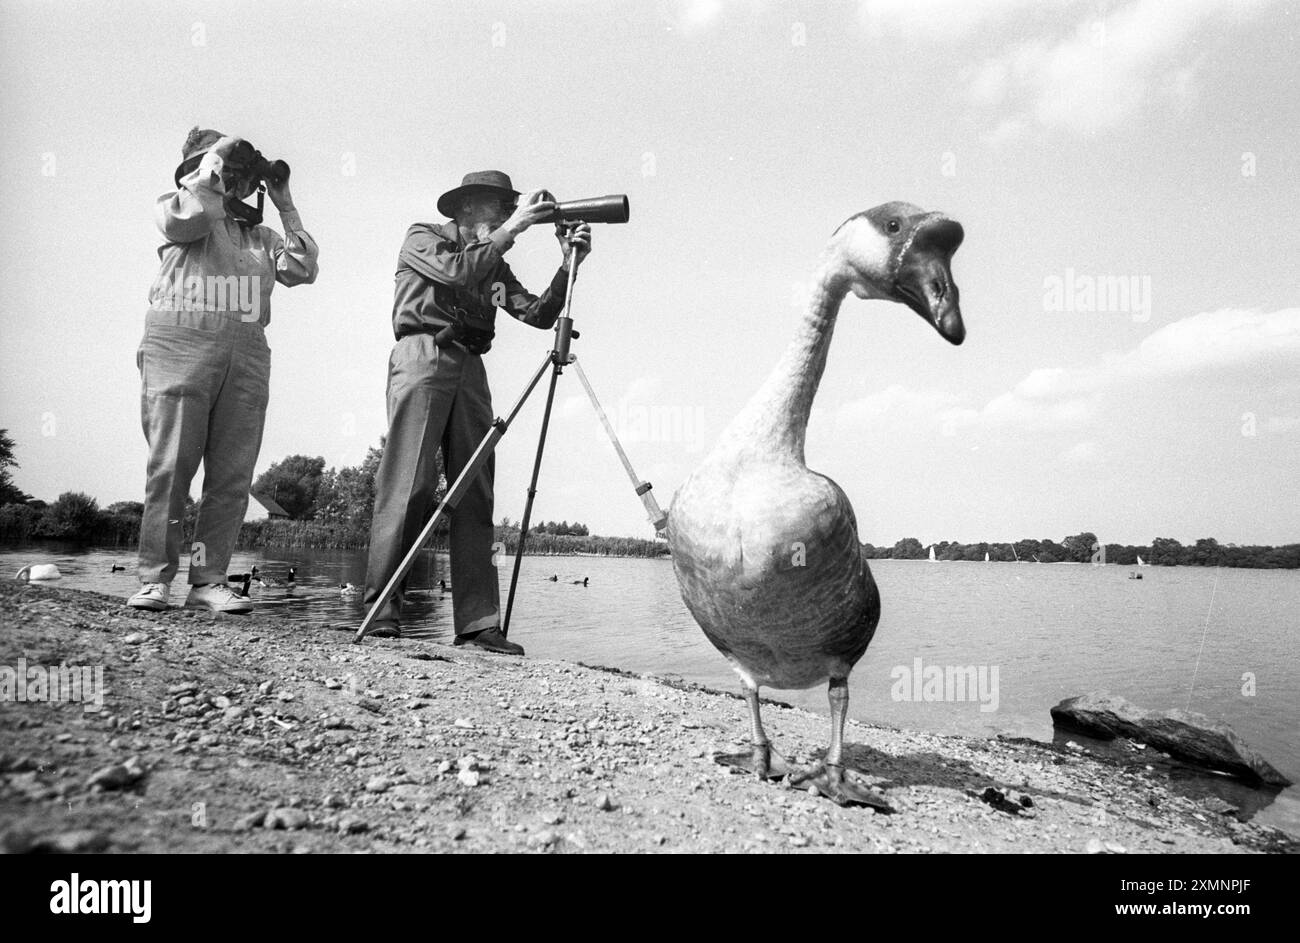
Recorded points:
(214, 726)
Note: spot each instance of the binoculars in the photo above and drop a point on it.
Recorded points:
(244, 155)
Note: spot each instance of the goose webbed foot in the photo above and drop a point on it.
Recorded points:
(761, 760)
(840, 786)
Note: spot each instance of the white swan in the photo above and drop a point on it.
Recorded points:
(38, 571)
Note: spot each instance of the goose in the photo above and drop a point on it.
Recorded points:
(444, 586)
(117, 569)
(240, 577)
(242, 588)
(38, 571)
(766, 551)
(581, 582)
(348, 589)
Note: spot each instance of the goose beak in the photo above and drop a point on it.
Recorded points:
(924, 279)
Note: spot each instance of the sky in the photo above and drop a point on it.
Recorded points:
(1085, 147)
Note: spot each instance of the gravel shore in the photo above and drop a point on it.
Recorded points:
(218, 733)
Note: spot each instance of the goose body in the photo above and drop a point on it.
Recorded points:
(766, 550)
(782, 617)
(38, 571)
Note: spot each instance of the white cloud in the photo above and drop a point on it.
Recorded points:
(1103, 69)
(1202, 348)
(939, 20)
(692, 18)
(1082, 453)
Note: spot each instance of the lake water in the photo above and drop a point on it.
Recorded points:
(1183, 637)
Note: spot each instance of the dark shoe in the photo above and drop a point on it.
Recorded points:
(491, 640)
(385, 628)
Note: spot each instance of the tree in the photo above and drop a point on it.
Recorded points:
(1166, 551)
(347, 496)
(1207, 552)
(1079, 547)
(293, 483)
(909, 548)
(73, 516)
(9, 492)
(127, 508)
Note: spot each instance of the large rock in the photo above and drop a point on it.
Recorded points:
(1191, 737)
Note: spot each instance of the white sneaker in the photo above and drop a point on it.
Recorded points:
(151, 596)
(217, 597)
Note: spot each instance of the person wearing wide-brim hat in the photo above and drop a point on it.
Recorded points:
(450, 280)
(204, 362)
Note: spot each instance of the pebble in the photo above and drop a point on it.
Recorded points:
(350, 825)
(465, 722)
(468, 777)
(117, 776)
(604, 803)
(543, 839)
(135, 638)
(378, 784)
(265, 687)
(286, 818)
(250, 821)
(76, 841)
(1098, 847)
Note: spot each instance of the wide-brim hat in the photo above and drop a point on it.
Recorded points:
(490, 180)
(196, 145)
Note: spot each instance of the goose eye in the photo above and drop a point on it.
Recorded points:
(893, 225)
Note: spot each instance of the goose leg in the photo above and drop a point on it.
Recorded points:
(761, 759)
(828, 776)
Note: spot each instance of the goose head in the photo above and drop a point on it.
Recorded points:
(899, 252)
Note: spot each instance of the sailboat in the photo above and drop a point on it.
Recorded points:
(932, 553)
(986, 558)
(1142, 562)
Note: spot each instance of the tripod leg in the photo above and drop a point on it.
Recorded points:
(528, 505)
(454, 493)
(657, 517)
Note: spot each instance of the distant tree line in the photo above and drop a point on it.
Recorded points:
(331, 508)
(326, 508)
(1085, 548)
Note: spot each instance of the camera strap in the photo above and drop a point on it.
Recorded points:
(247, 215)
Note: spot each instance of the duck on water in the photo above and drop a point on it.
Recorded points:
(766, 550)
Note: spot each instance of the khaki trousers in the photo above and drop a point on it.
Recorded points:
(204, 388)
(436, 397)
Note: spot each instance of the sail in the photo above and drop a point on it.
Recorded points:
(931, 553)
(986, 558)
(1141, 562)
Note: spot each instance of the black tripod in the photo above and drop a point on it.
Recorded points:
(557, 358)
